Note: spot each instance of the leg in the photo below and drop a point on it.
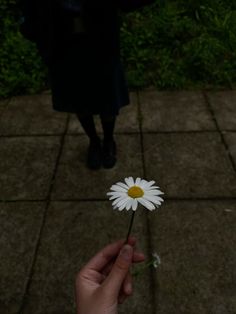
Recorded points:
(109, 145)
(94, 157)
(108, 125)
(88, 125)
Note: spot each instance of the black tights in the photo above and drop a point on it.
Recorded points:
(108, 125)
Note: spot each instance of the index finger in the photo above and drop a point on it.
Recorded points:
(103, 257)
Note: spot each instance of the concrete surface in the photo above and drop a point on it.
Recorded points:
(223, 105)
(3, 105)
(54, 214)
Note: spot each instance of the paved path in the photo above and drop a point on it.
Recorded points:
(54, 214)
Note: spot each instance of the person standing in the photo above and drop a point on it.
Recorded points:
(79, 40)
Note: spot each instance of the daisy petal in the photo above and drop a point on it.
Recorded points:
(143, 183)
(149, 184)
(129, 181)
(153, 199)
(122, 206)
(123, 185)
(116, 201)
(118, 188)
(134, 204)
(129, 204)
(113, 197)
(156, 204)
(146, 203)
(137, 181)
(153, 192)
(116, 193)
(123, 201)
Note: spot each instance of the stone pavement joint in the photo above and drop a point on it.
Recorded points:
(24, 300)
(227, 119)
(54, 212)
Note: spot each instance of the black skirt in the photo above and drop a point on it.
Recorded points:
(85, 79)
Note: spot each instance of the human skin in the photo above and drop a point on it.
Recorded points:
(105, 281)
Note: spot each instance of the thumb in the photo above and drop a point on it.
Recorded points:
(119, 270)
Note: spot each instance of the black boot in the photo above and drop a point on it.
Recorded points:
(109, 154)
(94, 157)
(109, 145)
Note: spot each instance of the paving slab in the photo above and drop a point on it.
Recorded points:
(196, 243)
(127, 121)
(29, 115)
(26, 166)
(224, 106)
(174, 111)
(190, 165)
(74, 232)
(3, 105)
(230, 138)
(20, 226)
(75, 181)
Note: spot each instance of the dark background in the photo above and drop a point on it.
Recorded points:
(173, 44)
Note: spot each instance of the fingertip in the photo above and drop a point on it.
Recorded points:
(140, 255)
(127, 285)
(128, 289)
(126, 253)
(132, 240)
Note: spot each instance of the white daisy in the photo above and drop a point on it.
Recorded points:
(129, 194)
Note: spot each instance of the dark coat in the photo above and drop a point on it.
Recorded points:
(84, 64)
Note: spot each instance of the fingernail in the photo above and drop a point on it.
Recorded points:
(127, 252)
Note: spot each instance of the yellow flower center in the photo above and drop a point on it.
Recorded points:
(135, 192)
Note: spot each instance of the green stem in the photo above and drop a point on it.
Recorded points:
(130, 227)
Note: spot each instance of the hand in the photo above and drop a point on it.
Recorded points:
(105, 280)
